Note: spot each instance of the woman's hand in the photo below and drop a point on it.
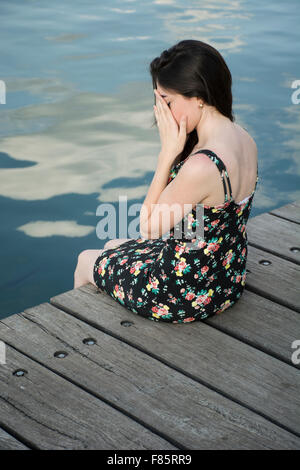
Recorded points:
(173, 138)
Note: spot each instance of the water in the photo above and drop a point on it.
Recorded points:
(76, 127)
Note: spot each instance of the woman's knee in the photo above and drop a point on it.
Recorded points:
(85, 264)
(87, 258)
(115, 243)
(82, 257)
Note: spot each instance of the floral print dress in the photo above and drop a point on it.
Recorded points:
(165, 279)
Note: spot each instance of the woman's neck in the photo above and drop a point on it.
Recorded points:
(209, 126)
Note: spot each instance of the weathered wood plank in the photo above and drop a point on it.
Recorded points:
(52, 413)
(275, 235)
(141, 385)
(235, 369)
(8, 442)
(278, 281)
(290, 212)
(262, 323)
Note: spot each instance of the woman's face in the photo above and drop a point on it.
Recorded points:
(180, 106)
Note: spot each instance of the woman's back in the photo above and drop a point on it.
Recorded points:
(239, 154)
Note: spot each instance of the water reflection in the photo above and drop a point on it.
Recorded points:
(6, 161)
(65, 228)
(93, 138)
(76, 127)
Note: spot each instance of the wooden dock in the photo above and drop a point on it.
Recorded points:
(96, 376)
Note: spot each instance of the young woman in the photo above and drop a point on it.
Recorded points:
(206, 159)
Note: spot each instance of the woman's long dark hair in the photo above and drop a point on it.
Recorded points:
(194, 69)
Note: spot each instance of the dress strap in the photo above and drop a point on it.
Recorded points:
(257, 177)
(222, 169)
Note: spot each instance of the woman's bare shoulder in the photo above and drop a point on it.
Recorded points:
(248, 139)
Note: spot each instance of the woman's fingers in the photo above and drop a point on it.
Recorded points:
(159, 100)
(162, 111)
(161, 107)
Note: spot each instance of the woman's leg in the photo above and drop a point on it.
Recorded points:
(86, 260)
(84, 271)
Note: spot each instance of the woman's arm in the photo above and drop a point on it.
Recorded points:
(158, 184)
(166, 204)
